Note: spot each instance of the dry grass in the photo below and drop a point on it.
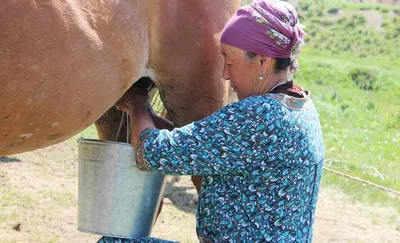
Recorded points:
(38, 198)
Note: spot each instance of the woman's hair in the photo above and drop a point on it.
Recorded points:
(281, 63)
(250, 55)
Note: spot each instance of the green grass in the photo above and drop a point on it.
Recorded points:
(89, 132)
(361, 127)
(12, 200)
(353, 72)
(65, 199)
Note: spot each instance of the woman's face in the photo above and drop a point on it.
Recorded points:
(241, 71)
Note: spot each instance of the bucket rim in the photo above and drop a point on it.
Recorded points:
(109, 235)
(92, 140)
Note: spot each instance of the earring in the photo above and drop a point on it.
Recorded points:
(261, 76)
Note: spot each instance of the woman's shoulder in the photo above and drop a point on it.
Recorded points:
(291, 102)
(273, 104)
(252, 102)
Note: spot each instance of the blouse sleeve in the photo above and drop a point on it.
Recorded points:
(222, 143)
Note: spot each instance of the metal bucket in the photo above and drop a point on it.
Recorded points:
(114, 197)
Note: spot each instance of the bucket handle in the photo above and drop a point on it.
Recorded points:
(127, 127)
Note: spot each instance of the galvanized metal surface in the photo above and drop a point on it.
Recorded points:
(114, 197)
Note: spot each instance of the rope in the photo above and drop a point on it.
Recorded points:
(120, 125)
(127, 128)
(363, 181)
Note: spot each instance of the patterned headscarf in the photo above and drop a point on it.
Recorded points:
(267, 27)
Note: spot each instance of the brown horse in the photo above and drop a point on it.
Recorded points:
(64, 63)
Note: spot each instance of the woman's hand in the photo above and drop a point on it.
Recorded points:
(134, 101)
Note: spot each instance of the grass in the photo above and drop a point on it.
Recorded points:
(353, 72)
(89, 132)
(11, 202)
(15, 199)
(65, 199)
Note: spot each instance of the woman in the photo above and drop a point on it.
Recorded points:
(262, 156)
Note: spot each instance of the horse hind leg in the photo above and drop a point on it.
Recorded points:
(108, 126)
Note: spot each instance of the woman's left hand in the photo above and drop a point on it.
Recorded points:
(160, 122)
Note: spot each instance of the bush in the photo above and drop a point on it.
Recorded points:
(304, 6)
(394, 121)
(365, 79)
(370, 105)
(350, 24)
(361, 20)
(336, 96)
(333, 10)
(344, 106)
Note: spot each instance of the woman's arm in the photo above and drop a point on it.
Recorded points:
(136, 103)
(146, 118)
(222, 143)
(140, 120)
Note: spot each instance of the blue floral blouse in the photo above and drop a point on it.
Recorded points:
(261, 159)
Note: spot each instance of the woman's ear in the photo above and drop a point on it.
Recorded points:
(265, 63)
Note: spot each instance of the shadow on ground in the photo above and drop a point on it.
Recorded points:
(180, 197)
(4, 159)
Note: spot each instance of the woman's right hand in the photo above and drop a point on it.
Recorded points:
(134, 101)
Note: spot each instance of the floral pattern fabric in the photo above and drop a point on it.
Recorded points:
(141, 240)
(261, 159)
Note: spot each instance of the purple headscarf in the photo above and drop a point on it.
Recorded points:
(267, 27)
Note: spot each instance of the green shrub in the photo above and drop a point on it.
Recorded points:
(336, 96)
(365, 79)
(333, 10)
(370, 105)
(393, 121)
(361, 19)
(304, 6)
(344, 106)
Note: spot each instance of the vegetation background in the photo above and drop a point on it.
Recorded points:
(351, 65)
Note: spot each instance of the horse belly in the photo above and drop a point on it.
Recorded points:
(62, 65)
(186, 57)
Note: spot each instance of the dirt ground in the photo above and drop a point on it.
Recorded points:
(38, 203)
